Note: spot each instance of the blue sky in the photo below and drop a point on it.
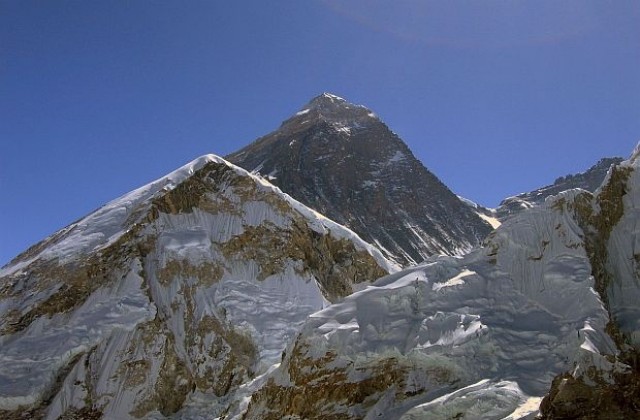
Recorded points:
(495, 97)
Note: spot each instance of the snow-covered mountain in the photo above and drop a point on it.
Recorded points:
(210, 293)
(343, 161)
(174, 295)
(548, 308)
(588, 180)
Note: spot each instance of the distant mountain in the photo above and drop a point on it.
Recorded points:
(341, 160)
(589, 180)
(184, 289)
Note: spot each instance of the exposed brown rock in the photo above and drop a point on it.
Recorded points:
(336, 263)
(324, 386)
(572, 398)
(79, 279)
(207, 273)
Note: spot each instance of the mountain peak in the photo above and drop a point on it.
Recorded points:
(330, 107)
(327, 99)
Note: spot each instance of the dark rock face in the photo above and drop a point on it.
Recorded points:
(341, 160)
(589, 180)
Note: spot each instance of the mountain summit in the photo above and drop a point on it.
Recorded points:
(331, 107)
(342, 160)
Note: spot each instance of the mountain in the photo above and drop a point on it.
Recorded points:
(589, 180)
(179, 292)
(545, 315)
(211, 293)
(343, 161)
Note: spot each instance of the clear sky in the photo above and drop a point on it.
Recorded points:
(495, 97)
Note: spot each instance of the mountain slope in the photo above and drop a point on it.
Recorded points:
(589, 180)
(341, 160)
(182, 290)
(549, 307)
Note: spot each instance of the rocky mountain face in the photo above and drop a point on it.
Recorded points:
(589, 180)
(341, 160)
(177, 294)
(545, 315)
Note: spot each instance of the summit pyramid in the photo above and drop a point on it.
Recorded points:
(343, 161)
